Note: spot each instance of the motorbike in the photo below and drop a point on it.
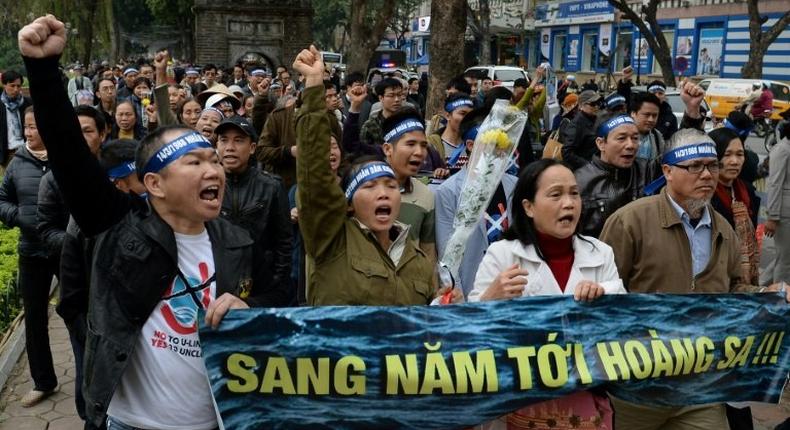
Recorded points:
(771, 139)
(763, 125)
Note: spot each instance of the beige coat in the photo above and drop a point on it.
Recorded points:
(653, 254)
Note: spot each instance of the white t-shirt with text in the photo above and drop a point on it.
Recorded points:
(165, 386)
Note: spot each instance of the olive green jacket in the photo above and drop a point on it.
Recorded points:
(279, 135)
(349, 266)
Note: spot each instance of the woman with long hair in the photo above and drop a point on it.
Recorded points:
(543, 254)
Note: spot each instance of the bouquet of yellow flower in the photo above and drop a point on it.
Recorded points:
(494, 146)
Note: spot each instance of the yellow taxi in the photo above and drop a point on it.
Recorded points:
(723, 95)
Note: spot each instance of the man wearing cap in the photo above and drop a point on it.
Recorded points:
(155, 265)
(676, 243)
(256, 201)
(667, 123)
(78, 83)
(126, 88)
(578, 136)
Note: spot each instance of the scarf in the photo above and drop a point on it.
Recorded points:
(12, 104)
(738, 191)
(40, 155)
(736, 200)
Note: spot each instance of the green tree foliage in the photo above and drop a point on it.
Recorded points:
(178, 13)
(329, 15)
(9, 300)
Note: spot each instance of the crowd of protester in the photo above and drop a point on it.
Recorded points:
(161, 193)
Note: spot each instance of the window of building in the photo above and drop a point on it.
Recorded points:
(558, 56)
(669, 35)
(589, 51)
(622, 53)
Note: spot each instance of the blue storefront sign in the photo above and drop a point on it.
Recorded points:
(576, 12)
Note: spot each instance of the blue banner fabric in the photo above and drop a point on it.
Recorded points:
(447, 367)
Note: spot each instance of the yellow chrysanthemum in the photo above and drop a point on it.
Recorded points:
(146, 102)
(496, 137)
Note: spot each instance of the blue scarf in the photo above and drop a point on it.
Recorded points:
(10, 104)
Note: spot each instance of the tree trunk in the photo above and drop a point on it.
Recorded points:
(753, 68)
(365, 32)
(485, 32)
(759, 40)
(448, 23)
(113, 32)
(87, 16)
(653, 35)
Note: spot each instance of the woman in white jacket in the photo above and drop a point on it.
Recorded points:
(542, 254)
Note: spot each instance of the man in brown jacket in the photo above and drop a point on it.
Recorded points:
(278, 151)
(677, 243)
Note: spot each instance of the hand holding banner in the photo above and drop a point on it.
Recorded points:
(455, 366)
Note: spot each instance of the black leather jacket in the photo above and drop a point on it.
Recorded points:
(134, 259)
(256, 200)
(605, 188)
(578, 140)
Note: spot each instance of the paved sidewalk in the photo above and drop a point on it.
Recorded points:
(55, 413)
(58, 413)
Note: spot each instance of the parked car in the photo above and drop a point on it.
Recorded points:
(501, 75)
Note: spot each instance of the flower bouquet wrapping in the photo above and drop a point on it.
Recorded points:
(494, 146)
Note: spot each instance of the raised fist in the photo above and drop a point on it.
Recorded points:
(160, 59)
(692, 95)
(310, 64)
(44, 37)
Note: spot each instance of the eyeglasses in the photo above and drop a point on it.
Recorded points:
(696, 169)
(394, 95)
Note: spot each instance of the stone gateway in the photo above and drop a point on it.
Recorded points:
(269, 32)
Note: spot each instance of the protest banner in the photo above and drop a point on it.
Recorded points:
(456, 366)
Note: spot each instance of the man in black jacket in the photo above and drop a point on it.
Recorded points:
(256, 201)
(578, 136)
(117, 159)
(617, 177)
(53, 215)
(667, 123)
(12, 114)
(154, 266)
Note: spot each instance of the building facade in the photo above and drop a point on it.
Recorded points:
(708, 38)
(265, 31)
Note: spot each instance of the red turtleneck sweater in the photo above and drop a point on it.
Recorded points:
(559, 256)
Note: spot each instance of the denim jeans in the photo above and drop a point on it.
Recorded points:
(114, 424)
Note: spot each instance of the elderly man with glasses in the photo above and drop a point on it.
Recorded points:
(676, 243)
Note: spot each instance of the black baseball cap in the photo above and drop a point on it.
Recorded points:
(240, 123)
